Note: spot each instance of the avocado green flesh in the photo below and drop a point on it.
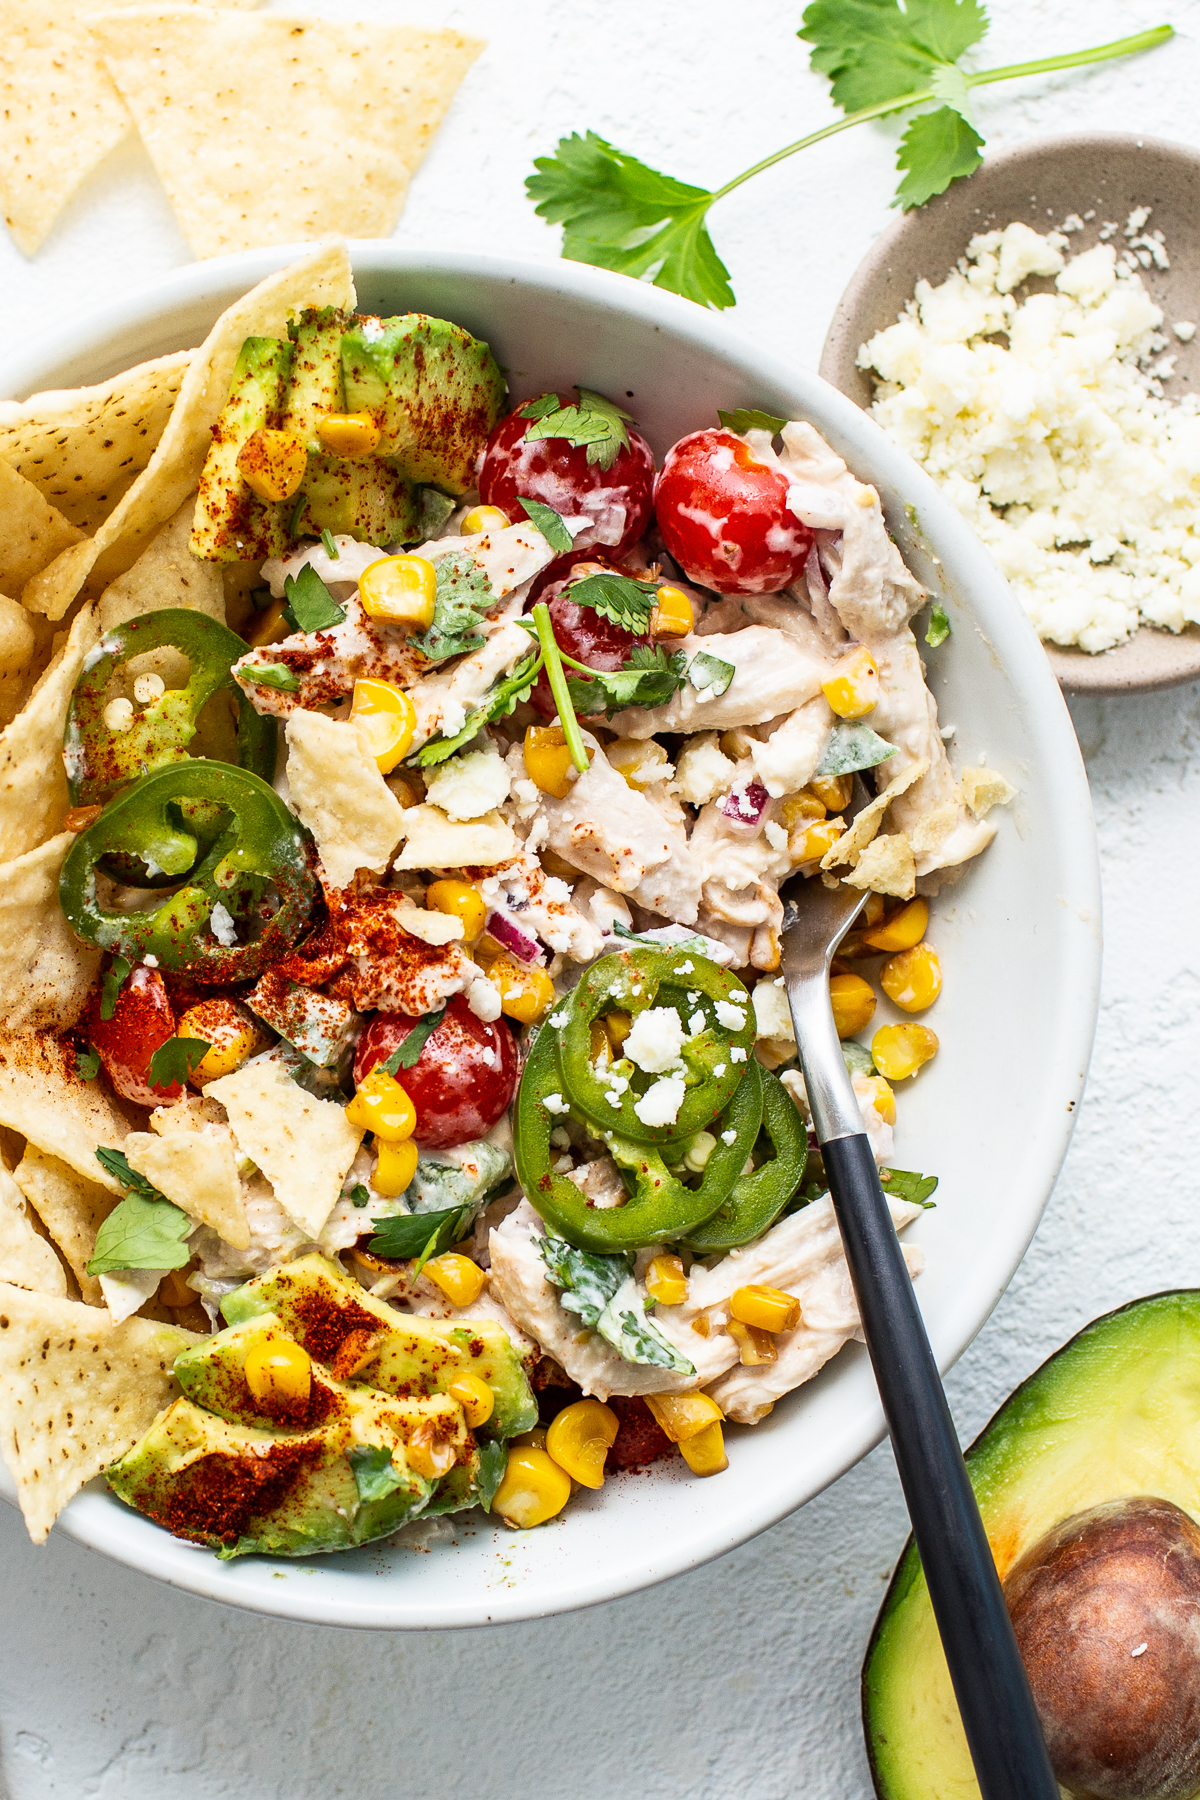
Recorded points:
(368, 500)
(1115, 1412)
(231, 523)
(315, 387)
(318, 1305)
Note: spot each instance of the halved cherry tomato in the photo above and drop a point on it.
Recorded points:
(724, 516)
(463, 1079)
(580, 630)
(618, 500)
(142, 1020)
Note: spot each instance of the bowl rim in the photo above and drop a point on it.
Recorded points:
(95, 1518)
(1151, 661)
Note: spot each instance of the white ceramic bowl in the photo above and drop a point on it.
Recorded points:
(1019, 940)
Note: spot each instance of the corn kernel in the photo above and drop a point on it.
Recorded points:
(474, 1396)
(580, 1438)
(769, 1308)
(395, 1166)
(873, 911)
(853, 1004)
(666, 1281)
(808, 843)
(231, 1034)
(902, 931)
(684, 1416)
(600, 1048)
(399, 590)
(882, 1098)
(833, 791)
(382, 1106)
(704, 1454)
(900, 1050)
(640, 761)
(428, 1456)
(389, 718)
(526, 991)
(272, 464)
(532, 1440)
(461, 900)
(349, 435)
(407, 787)
(618, 1026)
(278, 1369)
(854, 690)
(755, 1345)
(461, 1280)
(533, 1490)
(483, 518)
(801, 809)
(672, 614)
(270, 627)
(174, 1291)
(548, 761)
(913, 980)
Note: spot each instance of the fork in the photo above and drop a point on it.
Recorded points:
(997, 1708)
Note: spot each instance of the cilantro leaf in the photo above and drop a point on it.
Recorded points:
(596, 423)
(548, 522)
(375, 1474)
(617, 597)
(359, 1195)
(495, 705)
(144, 1231)
(463, 596)
(873, 52)
(749, 418)
(122, 1170)
(936, 149)
(906, 1184)
(939, 626)
(709, 675)
(493, 1460)
(405, 1056)
(274, 675)
(115, 977)
(618, 214)
(650, 677)
(87, 1063)
(310, 602)
(174, 1061)
(422, 1234)
(852, 745)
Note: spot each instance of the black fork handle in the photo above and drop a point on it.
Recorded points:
(997, 1709)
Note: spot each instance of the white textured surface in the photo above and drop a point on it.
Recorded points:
(742, 1678)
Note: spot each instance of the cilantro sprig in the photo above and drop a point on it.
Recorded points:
(145, 1230)
(617, 213)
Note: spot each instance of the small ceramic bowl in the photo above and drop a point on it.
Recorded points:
(1041, 183)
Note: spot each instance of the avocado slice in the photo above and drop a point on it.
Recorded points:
(367, 499)
(231, 523)
(1115, 1412)
(434, 391)
(319, 1305)
(315, 387)
(243, 1489)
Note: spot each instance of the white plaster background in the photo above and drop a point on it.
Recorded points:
(740, 1679)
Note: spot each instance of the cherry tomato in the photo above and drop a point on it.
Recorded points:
(580, 630)
(724, 516)
(142, 1019)
(618, 500)
(463, 1079)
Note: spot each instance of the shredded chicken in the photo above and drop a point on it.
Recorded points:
(775, 674)
(362, 954)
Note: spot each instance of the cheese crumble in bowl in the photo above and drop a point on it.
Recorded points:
(506, 904)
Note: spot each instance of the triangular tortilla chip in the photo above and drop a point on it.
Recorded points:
(33, 532)
(26, 1259)
(83, 448)
(33, 782)
(71, 1208)
(18, 645)
(165, 574)
(42, 1097)
(197, 1169)
(46, 974)
(321, 278)
(76, 1392)
(266, 129)
(304, 1146)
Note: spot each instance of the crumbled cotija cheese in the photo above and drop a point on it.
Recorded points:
(1057, 447)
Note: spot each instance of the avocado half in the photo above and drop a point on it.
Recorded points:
(1115, 1412)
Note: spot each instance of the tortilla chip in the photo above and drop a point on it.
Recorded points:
(83, 448)
(18, 646)
(928, 832)
(863, 828)
(886, 866)
(76, 1392)
(33, 782)
(71, 1208)
(304, 1146)
(984, 788)
(336, 790)
(310, 128)
(26, 1259)
(197, 1169)
(434, 841)
(46, 974)
(42, 1097)
(33, 534)
(165, 574)
(322, 278)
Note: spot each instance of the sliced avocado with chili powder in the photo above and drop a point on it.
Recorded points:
(231, 524)
(315, 385)
(434, 391)
(367, 499)
(1114, 1413)
(320, 1306)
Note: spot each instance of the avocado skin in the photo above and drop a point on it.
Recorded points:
(434, 391)
(319, 1305)
(1130, 1384)
(231, 523)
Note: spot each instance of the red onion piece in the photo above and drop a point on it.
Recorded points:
(748, 804)
(525, 948)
